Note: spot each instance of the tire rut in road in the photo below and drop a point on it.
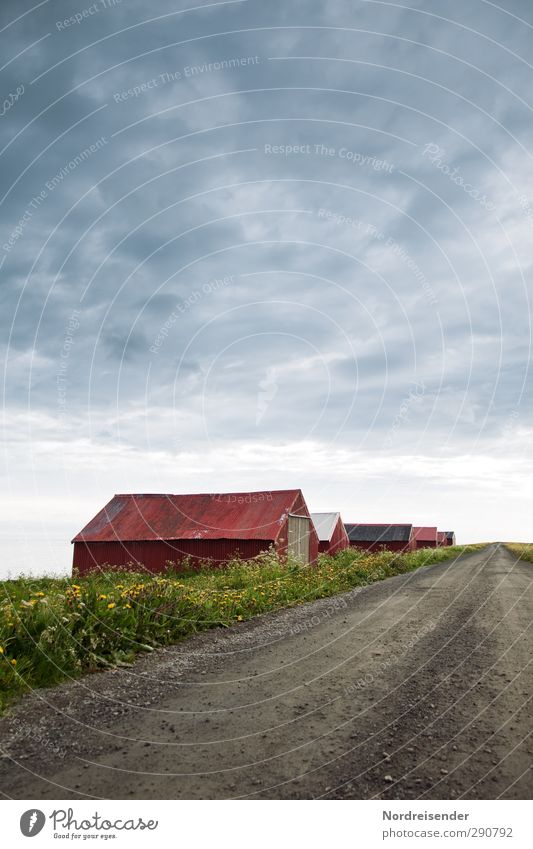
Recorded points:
(448, 699)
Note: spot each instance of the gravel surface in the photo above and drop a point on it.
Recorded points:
(415, 687)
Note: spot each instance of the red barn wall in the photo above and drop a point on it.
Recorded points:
(378, 546)
(153, 555)
(425, 543)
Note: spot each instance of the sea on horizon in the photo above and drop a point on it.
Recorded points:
(34, 556)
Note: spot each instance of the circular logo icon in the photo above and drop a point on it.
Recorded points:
(32, 822)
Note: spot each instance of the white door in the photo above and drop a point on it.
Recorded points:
(299, 534)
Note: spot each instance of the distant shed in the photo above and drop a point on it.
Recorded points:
(441, 539)
(377, 537)
(332, 536)
(150, 531)
(425, 537)
(450, 537)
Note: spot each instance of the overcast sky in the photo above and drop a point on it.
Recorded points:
(251, 245)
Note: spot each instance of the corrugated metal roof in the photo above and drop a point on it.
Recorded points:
(426, 533)
(325, 524)
(230, 515)
(378, 533)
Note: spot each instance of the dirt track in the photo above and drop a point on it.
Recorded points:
(419, 686)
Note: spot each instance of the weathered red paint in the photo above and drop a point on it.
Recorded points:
(153, 530)
(379, 546)
(425, 537)
(441, 539)
(157, 555)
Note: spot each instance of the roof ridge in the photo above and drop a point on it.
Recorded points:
(198, 494)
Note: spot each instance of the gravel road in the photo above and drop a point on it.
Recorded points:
(417, 687)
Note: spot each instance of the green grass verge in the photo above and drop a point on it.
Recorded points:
(52, 629)
(523, 550)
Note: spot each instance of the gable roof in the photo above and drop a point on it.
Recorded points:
(379, 533)
(325, 524)
(449, 534)
(425, 533)
(230, 515)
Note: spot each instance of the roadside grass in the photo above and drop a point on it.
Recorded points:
(523, 550)
(52, 629)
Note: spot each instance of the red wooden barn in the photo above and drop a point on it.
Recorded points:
(332, 536)
(425, 537)
(441, 539)
(153, 530)
(377, 537)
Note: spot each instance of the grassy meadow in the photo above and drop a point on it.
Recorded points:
(53, 629)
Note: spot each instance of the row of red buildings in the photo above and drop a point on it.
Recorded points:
(153, 531)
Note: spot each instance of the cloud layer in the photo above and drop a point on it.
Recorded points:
(252, 245)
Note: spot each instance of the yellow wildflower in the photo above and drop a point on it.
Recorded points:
(111, 605)
(101, 596)
(1, 649)
(13, 662)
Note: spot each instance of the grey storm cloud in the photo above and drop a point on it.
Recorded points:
(358, 173)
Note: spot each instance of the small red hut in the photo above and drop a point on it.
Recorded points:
(332, 536)
(425, 537)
